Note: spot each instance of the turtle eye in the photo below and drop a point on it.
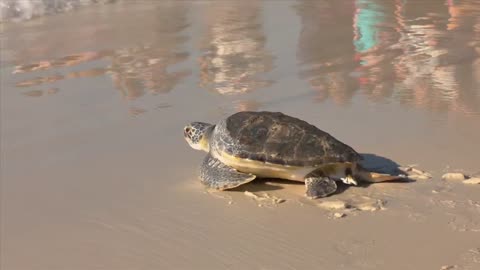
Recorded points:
(187, 130)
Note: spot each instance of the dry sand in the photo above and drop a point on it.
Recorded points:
(95, 173)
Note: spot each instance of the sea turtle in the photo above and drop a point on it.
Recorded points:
(247, 145)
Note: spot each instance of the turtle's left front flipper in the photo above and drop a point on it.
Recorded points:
(318, 185)
(216, 175)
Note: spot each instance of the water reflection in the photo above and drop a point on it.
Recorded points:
(325, 49)
(39, 80)
(367, 18)
(374, 42)
(94, 72)
(417, 53)
(18, 10)
(66, 61)
(234, 58)
(135, 71)
(39, 93)
(436, 65)
(420, 54)
(247, 105)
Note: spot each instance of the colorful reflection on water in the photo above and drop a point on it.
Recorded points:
(233, 48)
(425, 55)
(419, 55)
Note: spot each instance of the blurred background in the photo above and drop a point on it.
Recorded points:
(417, 53)
(95, 173)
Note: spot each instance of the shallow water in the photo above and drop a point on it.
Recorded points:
(96, 174)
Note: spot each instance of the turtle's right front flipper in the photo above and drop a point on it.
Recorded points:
(216, 175)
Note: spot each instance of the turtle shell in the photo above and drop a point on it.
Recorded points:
(277, 138)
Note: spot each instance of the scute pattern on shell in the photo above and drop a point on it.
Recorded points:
(280, 139)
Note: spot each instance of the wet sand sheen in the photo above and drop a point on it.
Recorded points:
(96, 175)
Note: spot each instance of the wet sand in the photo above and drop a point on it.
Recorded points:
(95, 173)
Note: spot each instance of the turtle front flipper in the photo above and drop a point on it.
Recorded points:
(318, 185)
(216, 175)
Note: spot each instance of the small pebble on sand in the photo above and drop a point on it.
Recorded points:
(339, 215)
(453, 176)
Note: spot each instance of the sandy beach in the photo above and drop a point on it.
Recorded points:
(95, 172)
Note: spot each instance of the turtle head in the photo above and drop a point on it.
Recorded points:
(197, 135)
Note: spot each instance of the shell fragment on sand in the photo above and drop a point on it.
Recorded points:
(334, 205)
(472, 181)
(265, 198)
(454, 176)
(366, 204)
(371, 206)
(448, 267)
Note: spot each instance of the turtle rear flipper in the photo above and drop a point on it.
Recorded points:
(216, 175)
(373, 177)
